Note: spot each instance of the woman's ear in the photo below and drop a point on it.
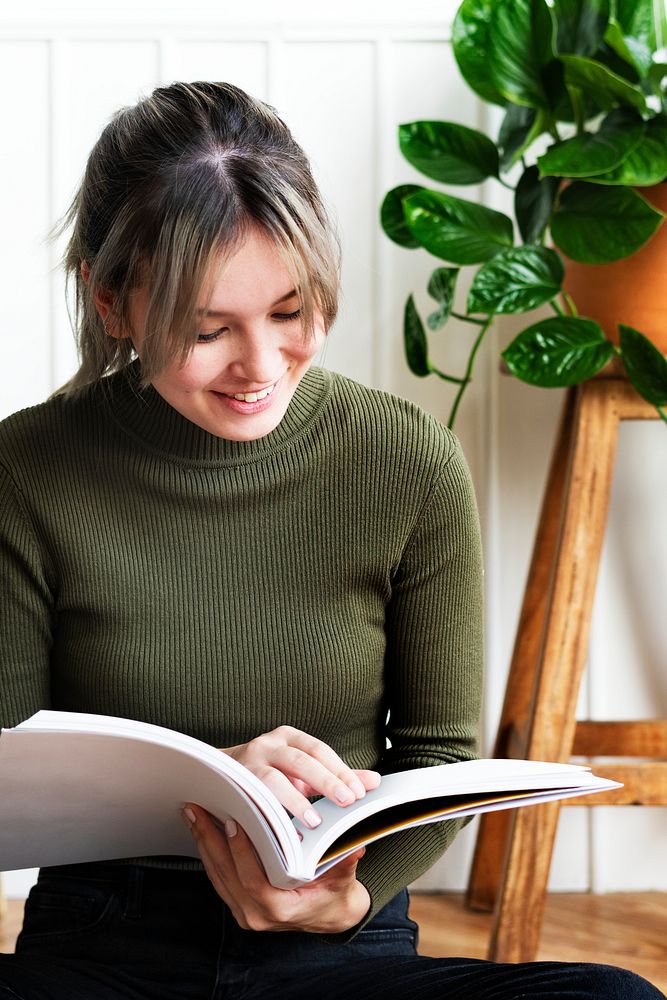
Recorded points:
(104, 302)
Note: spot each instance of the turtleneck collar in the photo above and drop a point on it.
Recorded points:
(154, 423)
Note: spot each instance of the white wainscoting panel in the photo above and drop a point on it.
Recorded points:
(25, 307)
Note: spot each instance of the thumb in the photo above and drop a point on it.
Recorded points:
(348, 864)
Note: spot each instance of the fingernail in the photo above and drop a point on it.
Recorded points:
(312, 818)
(358, 788)
(230, 828)
(344, 795)
(189, 817)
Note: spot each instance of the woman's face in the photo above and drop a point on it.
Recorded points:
(252, 353)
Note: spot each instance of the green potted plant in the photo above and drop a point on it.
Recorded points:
(583, 85)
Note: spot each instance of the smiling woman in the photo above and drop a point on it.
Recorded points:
(203, 532)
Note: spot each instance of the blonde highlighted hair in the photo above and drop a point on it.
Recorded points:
(173, 184)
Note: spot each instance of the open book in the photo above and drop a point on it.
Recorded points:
(77, 787)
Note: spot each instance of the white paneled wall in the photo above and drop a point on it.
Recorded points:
(343, 78)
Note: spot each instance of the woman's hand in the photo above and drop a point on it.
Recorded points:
(332, 903)
(294, 764)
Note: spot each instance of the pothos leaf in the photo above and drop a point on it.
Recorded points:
(456, 230)
(645, 365)
(442, 288)
(559, 351)
(414, 339)
(392, 216)
(534, 201)
(516, 281)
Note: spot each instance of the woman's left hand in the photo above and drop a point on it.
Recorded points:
(332, 903)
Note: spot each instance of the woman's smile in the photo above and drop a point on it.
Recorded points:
(249, 403)
(253, 396)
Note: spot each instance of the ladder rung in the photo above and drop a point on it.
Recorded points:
(643, 785)
(647, 738)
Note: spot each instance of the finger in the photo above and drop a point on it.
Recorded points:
(348, 863)
(341, 874)
(210, 840)
(321, 769)
(315, 752)
(289, 796)
(213, 846)
(369, 779)
(229, 852)
(254, 902)
(310, 766)
(327, 757)
(249, 869)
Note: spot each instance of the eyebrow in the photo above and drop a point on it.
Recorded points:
(218, 312)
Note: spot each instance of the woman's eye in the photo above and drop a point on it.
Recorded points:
(208, 338)
(286, 317)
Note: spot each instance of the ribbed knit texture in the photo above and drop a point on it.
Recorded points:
(325, 576)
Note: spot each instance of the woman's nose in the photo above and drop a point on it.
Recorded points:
(258, 357)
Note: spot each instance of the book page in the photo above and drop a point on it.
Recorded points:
(433, 811)
(444, 790)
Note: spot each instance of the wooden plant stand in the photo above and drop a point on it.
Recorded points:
(513, 852)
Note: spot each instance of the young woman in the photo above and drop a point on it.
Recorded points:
(204, 532)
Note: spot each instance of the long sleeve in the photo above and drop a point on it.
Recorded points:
(433, 667)
(26, 612)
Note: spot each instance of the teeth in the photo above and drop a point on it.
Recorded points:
(252, 397)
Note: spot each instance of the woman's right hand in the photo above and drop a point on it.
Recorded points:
(294, 765)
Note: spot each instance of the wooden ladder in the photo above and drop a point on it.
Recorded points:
(513, 851)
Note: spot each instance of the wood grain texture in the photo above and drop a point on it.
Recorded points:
(494, 827)
(644, 784)
(513, 852)
(626, 929)
(646, 738)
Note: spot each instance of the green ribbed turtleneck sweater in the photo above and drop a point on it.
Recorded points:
(326, 576)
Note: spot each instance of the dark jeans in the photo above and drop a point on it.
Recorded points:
(97, 932)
